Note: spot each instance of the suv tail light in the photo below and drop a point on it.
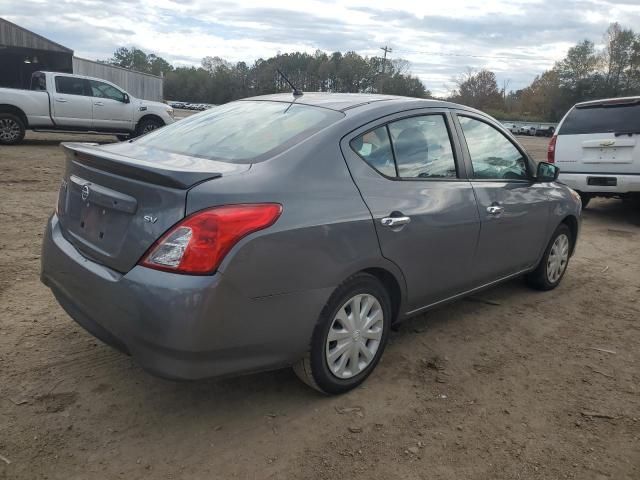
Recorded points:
(198, 244)
(551, 150)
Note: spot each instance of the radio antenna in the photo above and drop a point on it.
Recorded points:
(296, 92)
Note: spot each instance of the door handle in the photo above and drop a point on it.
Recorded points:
(494, 210)
(99, 104)
(395, 221)
(61, 100)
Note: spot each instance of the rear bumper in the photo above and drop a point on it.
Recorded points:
(625, 183)
(179, 326)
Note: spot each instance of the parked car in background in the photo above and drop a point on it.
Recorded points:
(284, 230)
(545, 132)
(513, 128)
(76, 104)
(597, 147)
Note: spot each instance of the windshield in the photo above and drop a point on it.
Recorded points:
(242, 132)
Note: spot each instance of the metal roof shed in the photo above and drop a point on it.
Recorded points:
(23, 52)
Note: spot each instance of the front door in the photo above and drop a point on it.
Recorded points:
(514, 210)
(110, 112)
(409, 174)
(72, 103)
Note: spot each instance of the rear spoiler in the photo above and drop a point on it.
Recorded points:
(612, 102)
(166, 169)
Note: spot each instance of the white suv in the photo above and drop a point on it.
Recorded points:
(597, 147)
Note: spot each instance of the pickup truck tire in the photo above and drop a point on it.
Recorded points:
(123, 138)
(12, 129)
(147, 125)
(585, 198)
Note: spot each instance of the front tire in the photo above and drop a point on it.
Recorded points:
(349, 338)
(12, 129)
(555, 260)
(148, 125)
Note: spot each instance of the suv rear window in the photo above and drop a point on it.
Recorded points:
(242, 131)
(602, 119)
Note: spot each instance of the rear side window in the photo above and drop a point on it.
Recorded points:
(422, 147)
(418, 147)
(242, 131)
(602, 119)
(38, 81)
(71, 85)
(375, 149)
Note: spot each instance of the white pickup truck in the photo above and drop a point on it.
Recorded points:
(74, 103)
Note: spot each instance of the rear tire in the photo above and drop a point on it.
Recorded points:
(346, 346)
(12, 129)
(555, 260)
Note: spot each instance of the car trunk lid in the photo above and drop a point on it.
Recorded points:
(116, 200)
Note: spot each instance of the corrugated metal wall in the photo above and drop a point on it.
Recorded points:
(140, 85)
(12, 35)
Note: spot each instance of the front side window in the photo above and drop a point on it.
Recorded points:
(493, 156)
(104, 90)
(70, 85)
(242, 131)
(422, 147)
(375, 149)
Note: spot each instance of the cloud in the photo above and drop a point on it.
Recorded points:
(517, 40)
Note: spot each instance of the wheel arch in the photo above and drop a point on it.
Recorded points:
(571, 222)
(7, 108)
(392, 285)
(149, 116)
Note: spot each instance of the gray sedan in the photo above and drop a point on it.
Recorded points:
(295, 231)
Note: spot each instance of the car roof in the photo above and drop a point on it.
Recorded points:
(346, 101)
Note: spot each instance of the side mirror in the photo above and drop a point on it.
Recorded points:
(126, 98)
(547, 172)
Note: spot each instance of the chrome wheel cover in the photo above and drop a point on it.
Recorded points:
(558, 258)
(149, 127)
(354, 336)
(9, 130)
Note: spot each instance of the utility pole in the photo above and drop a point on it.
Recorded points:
(505, 85)
(384, 60)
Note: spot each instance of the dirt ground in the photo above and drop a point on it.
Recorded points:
(511, 384)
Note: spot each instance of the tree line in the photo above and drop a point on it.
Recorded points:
(585, 73)
(218, 81)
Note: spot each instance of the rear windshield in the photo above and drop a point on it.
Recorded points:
(242, 132)
(602, 119)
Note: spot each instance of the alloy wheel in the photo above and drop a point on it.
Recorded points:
(9, 130)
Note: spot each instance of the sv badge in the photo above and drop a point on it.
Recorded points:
(150, 219)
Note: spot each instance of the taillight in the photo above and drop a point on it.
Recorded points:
(551, 150)
(197, 244)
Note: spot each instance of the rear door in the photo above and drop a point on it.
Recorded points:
(513, 208)
(600, 137)
(409, 172)
(110, 112)
(72, 102)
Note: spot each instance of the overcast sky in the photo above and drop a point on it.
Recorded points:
(516, 38)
